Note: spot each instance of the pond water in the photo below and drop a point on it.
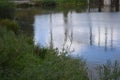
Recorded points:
(93, 36)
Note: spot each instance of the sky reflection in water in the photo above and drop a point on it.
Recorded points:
(93, 36)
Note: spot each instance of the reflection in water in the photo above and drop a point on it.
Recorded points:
(111, 38)
(106, 38)
(99, 32)
(51, 34)
(93, 36)
(90, 26)
(90, 35)
(68, 32)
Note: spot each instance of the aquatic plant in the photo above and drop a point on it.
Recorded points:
(109, 71)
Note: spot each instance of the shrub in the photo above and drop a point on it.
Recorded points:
(10, 25)
(20, 61)
(7, 9)
(15, 56)
(46, 3)
(24, 5)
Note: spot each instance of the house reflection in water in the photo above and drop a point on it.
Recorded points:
(95, 36)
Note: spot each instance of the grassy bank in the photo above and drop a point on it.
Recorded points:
(55, 3)
(21, 60)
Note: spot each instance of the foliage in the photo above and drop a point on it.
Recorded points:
(10, 25)
(7, 9)
(24, 5)
(45, 3)
(60, 3)
(20, 60)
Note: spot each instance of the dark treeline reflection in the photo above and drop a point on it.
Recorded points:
(102, 5)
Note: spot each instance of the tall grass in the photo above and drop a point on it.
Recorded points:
(109, 71)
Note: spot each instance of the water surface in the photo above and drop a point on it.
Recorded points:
(93, 36)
